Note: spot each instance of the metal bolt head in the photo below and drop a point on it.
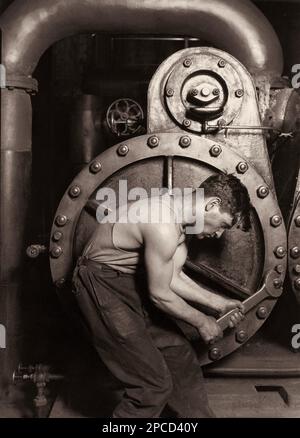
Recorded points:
(276, 220)
(262, 312)
(153, 141)
(60, 283)
(277, 283)
(216, 92)
(194, 92)
(123, 150)
(74, 191)
(185, 141)
(242, 167)
(241, 336)
(214, 353)
(297, 283)
(221, 63)
(61, 220)
(56, 252)
(169, 92)
(186, 123)
(279, 269)
(280, 252)
(95, 167)
(263, 191)
(187, 62)
(239, 93)
(221, 123)
(215, 150)
(297, 221)
(57, 235)
(296, 269)
(295, 252)
(205, 92)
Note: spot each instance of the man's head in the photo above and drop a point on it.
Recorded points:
(227, 203)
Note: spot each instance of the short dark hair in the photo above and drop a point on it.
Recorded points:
(234, 197)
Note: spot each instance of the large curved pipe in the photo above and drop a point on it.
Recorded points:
(235, 26)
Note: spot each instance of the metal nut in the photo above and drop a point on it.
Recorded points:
(241, 336)
(123, 150)
(242, 167)
(295, 252)
(193, 92)
(74, 191)
(297, 221)
(187, 62)
(239, 93)
(61, 220)
(262, 312)
(214, 353)
(95, 167)
(169, 92)
(185, 141)
(215, 150)
(297, 284)
(263, 191)
(221, 63)
(277, 283)
(153, 141)
(216, 92)
(56, 252)
(280, 252)
(276, 220)
(186, 123)
(279, 269)
(57, 235)
(296, 269)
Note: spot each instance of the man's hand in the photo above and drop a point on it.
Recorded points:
(209, 330)
(226, 305)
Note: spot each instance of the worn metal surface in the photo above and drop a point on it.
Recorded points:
(138, 151)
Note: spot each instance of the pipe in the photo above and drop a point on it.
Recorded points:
(235, 26)
(29, 28)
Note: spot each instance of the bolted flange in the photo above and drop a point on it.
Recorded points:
(280, 252)
(221, 63)
(215, 150)
(74, 191)
(56, 252)
(185, 141)
(186, 123)
(297, 221)
(242, 167)
(123, 150)
(95, 167)
(295, 252)
(241, 336)
(61, 220)
(153, 141)
(262, 312)
(297, 283)
(214, 353)
(276, 220)
(57, 235)
(169, 92)
(187, 62)
(296, 269)
(263, 191)
(239, 93)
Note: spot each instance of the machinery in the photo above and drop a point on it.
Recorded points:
(209, 110)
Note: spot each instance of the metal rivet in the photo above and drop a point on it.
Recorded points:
(169, 92)
(215, 150)
(280, 252)
(295, 252)
(297, 221)
(153, 141)
(215, 353)
(263, 191)
(241, 336)
(221, 63)
(242, 167)
(296, 269)
(61, 220)
(123, 150)
(216, 92)
(279, 269)
(95, 167)
(186, 123)
(276, 220)
(262, 312)
(297, 283)
(277, 283)
(185, 141)
(57, 235)
(59, 283)
(239, 93)
(74, 191)
(56, 252)
(187, 62)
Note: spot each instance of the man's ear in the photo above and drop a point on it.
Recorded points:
(212, 202)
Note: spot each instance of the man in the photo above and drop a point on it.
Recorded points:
(130, 287)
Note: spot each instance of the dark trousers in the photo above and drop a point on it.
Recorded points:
(140, 345)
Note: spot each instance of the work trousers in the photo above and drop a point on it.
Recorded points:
(141, 346)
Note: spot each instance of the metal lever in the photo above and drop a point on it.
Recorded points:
(272, 288)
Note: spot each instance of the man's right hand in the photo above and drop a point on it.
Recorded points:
(209, 330)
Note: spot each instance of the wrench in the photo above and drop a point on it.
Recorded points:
(266, 291)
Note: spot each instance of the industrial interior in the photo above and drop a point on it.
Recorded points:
(160, 94)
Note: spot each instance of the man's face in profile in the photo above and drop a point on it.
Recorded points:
(216, 221)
